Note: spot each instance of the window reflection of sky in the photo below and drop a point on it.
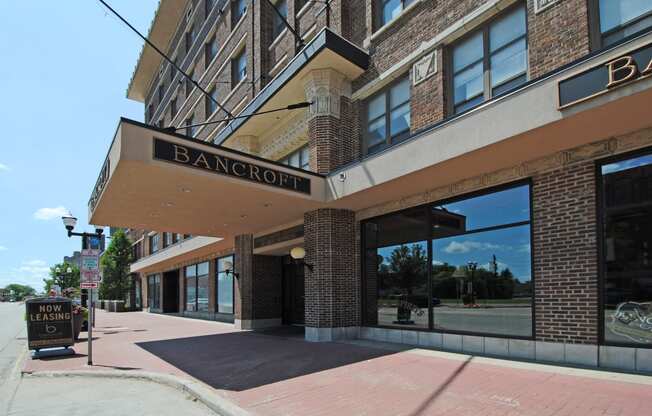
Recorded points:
(511, 246)
(626, 164)
(504, 207)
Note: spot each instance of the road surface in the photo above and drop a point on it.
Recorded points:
(28, 396)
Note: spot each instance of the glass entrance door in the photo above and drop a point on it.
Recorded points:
(293, 292)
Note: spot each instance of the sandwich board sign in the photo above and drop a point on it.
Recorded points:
(90, 266)
(49, 323)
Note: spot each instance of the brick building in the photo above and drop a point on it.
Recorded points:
(469, 175)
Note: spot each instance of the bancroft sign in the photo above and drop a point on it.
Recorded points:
(620, 71)
(223, 165)
(49, 323)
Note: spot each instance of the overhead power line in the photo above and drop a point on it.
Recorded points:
(195, 83)
(289, 107)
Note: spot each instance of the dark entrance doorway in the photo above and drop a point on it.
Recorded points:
(171, 292)
(293, 292)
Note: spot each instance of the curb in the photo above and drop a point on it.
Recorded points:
(195, 389)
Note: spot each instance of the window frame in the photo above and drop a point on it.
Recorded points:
(427, 207)
(211, 107)
(235, 18)
(190, 131)
(389, 139)
(217, 285)
(235, 70)
(486, 63)
(379, 4)
(596, 37)
(196, 278)
(156, 237)
(277, 22)
(600, 240)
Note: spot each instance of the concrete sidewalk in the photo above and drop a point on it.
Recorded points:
(275, 375)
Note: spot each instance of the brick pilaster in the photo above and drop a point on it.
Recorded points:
(565, 261)
(332, 286)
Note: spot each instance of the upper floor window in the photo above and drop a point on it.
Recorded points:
(176, 237)
(300, 158)
(191, 75)
(167, 239)
(150, 113)
(211, 49)
(279, 25)
(239, 68)
(388, 116)
(211, 106)
(189, 38)
(173, 108)
(154, 243)
(491, 61)
(190, 129)
(391, 9)
(161, 92)
(238, 9)
(208, 6)
(622, 18)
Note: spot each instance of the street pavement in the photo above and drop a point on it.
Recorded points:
(281, 374)
(29, 396)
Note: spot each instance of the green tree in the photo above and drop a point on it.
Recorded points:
(62, 277)
(47, 285)
(115, 268)
(19, 292)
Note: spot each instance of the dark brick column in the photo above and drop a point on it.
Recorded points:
(332, 139)
(332, 287)
(258, 302)
(565, 262)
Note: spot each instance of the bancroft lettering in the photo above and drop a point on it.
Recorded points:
(189, 156)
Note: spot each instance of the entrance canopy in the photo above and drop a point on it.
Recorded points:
(156, 180)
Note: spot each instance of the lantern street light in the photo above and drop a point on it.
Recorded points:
(228, 269)
(70, 222)
(472, 267)
(299, 253)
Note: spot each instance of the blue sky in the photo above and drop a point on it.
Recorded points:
(65, 69)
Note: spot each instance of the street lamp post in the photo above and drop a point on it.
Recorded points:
(69, 222)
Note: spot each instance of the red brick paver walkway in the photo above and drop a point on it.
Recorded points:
(271, 375)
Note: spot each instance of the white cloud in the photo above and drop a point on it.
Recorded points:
(4, 168)
(490, 267)
(456, 247)
(30, 272)
(46, 214)
(3, 248)
(525, 248)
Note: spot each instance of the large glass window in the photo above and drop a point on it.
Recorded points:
(626, 255)
(388, 116)
(197, 291)
(225, 285)
(490, 61)
(396, 269)
(622, 18)
(279, 25)
(477, 254)
(154, 291)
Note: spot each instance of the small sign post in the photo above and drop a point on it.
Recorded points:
(90, 277)
(49, 325)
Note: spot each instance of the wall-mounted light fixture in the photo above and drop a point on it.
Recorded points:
(299, 254)
(228, 269)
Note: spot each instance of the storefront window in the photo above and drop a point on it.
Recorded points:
(397, 270)
(478, 257)
(224, 285)
(197, 291)
(626, 255)
(154, 291)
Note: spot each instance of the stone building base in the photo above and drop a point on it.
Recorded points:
(582, 355)
(331, 334)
